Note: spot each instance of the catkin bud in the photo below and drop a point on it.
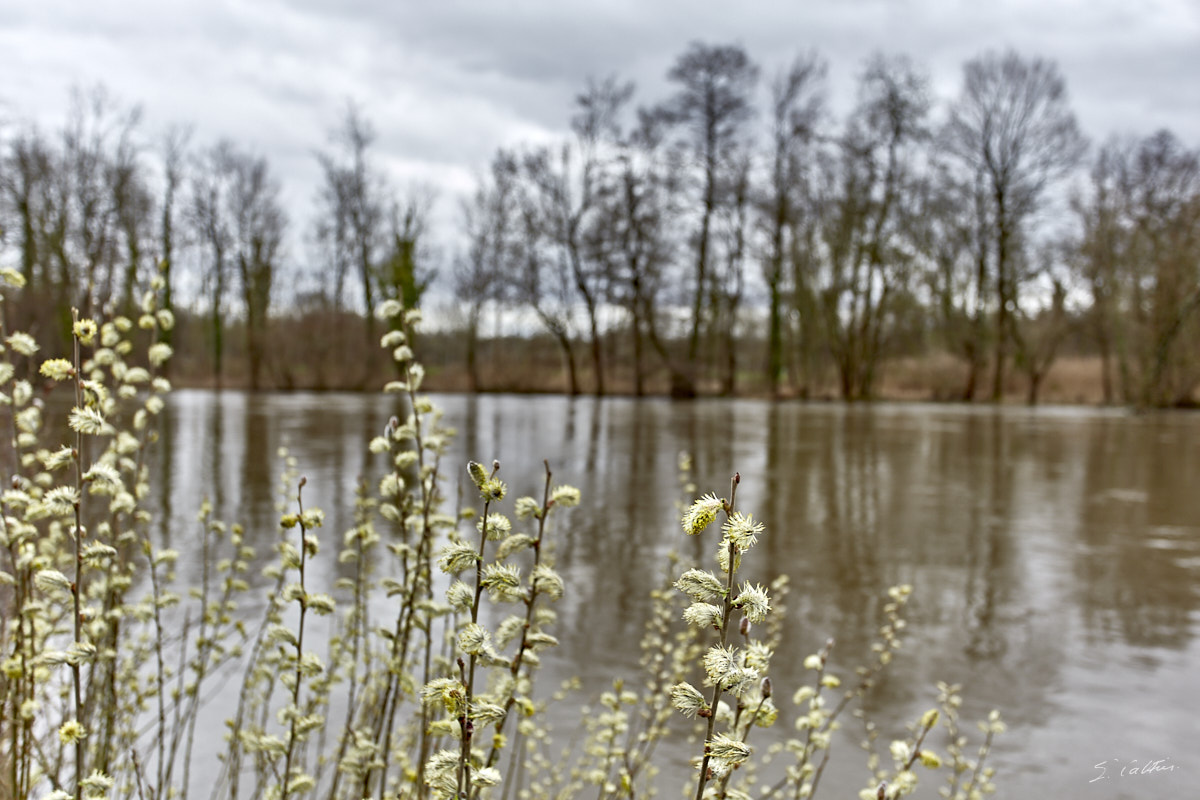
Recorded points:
(478, 476)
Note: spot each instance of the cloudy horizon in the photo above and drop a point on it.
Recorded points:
(444, 86)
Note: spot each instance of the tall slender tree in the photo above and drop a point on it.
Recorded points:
(713, 104)
(489, 227)
(797, 106)
(353, 220)
(573, 190)
(208, 215)
(540, 272)
(174, 148)
(860, 258)
(1013, 127)
(638, 201)
(258, 223)
(28, 179)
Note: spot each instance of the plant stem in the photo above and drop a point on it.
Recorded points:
(77, 584)
(464, 720)
(728, 606)
(291, 744)
(530, 601)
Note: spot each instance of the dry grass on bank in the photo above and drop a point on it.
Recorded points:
(319, 352)
(939, 377)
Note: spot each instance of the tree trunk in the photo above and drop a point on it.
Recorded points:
(775, 339)
(29, 249)
(639, 388)
(682, 386)
(218, 345)
(135, 257)
(730, 362)
(372, 343)
(167, 335)
(1107, 371)
(472, 349)
(597, 348)
(218, 321)
(975, 346)
(569, 357)
(846, 376)
(973, 369)
(255, 356)
(1003, 290)
(701, 267)
(1035, 385)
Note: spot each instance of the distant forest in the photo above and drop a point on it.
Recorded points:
(733, 237)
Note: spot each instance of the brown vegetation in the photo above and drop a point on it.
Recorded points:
(315, 351)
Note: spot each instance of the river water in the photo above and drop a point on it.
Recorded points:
(1055, 553)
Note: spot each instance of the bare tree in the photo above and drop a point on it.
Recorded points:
(1099, 256)
(572, 190)
(1038, 336)
(488, 224)
(208, 216)
(79, 205)
(637, 201)
(96, 139)
(540, 275)
(862, 251)
(729, 280)
(1012, 126)
(405, 271)
(258, 227)
(953, 237)
(133, 207)
(714, 103)
(1140, 252)
(797, 104)
(352, 218)
(1163, 195)
(174, 148)
(28, 179)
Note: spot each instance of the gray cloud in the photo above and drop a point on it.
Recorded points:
(446, 83)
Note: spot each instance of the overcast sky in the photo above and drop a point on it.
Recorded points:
(446, 82)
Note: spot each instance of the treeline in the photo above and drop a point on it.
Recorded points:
(92, 212)
(964, 226)
(733, 235)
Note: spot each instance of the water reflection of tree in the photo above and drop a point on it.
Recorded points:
(853, 471)
(215, 459)
(162, 461)
(257, 467)
(469, 428)
(987, 545)
(860, 499)
(608, 547)
(821, 508)
(1139, 513)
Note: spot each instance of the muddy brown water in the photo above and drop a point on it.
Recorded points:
(1055, 553)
